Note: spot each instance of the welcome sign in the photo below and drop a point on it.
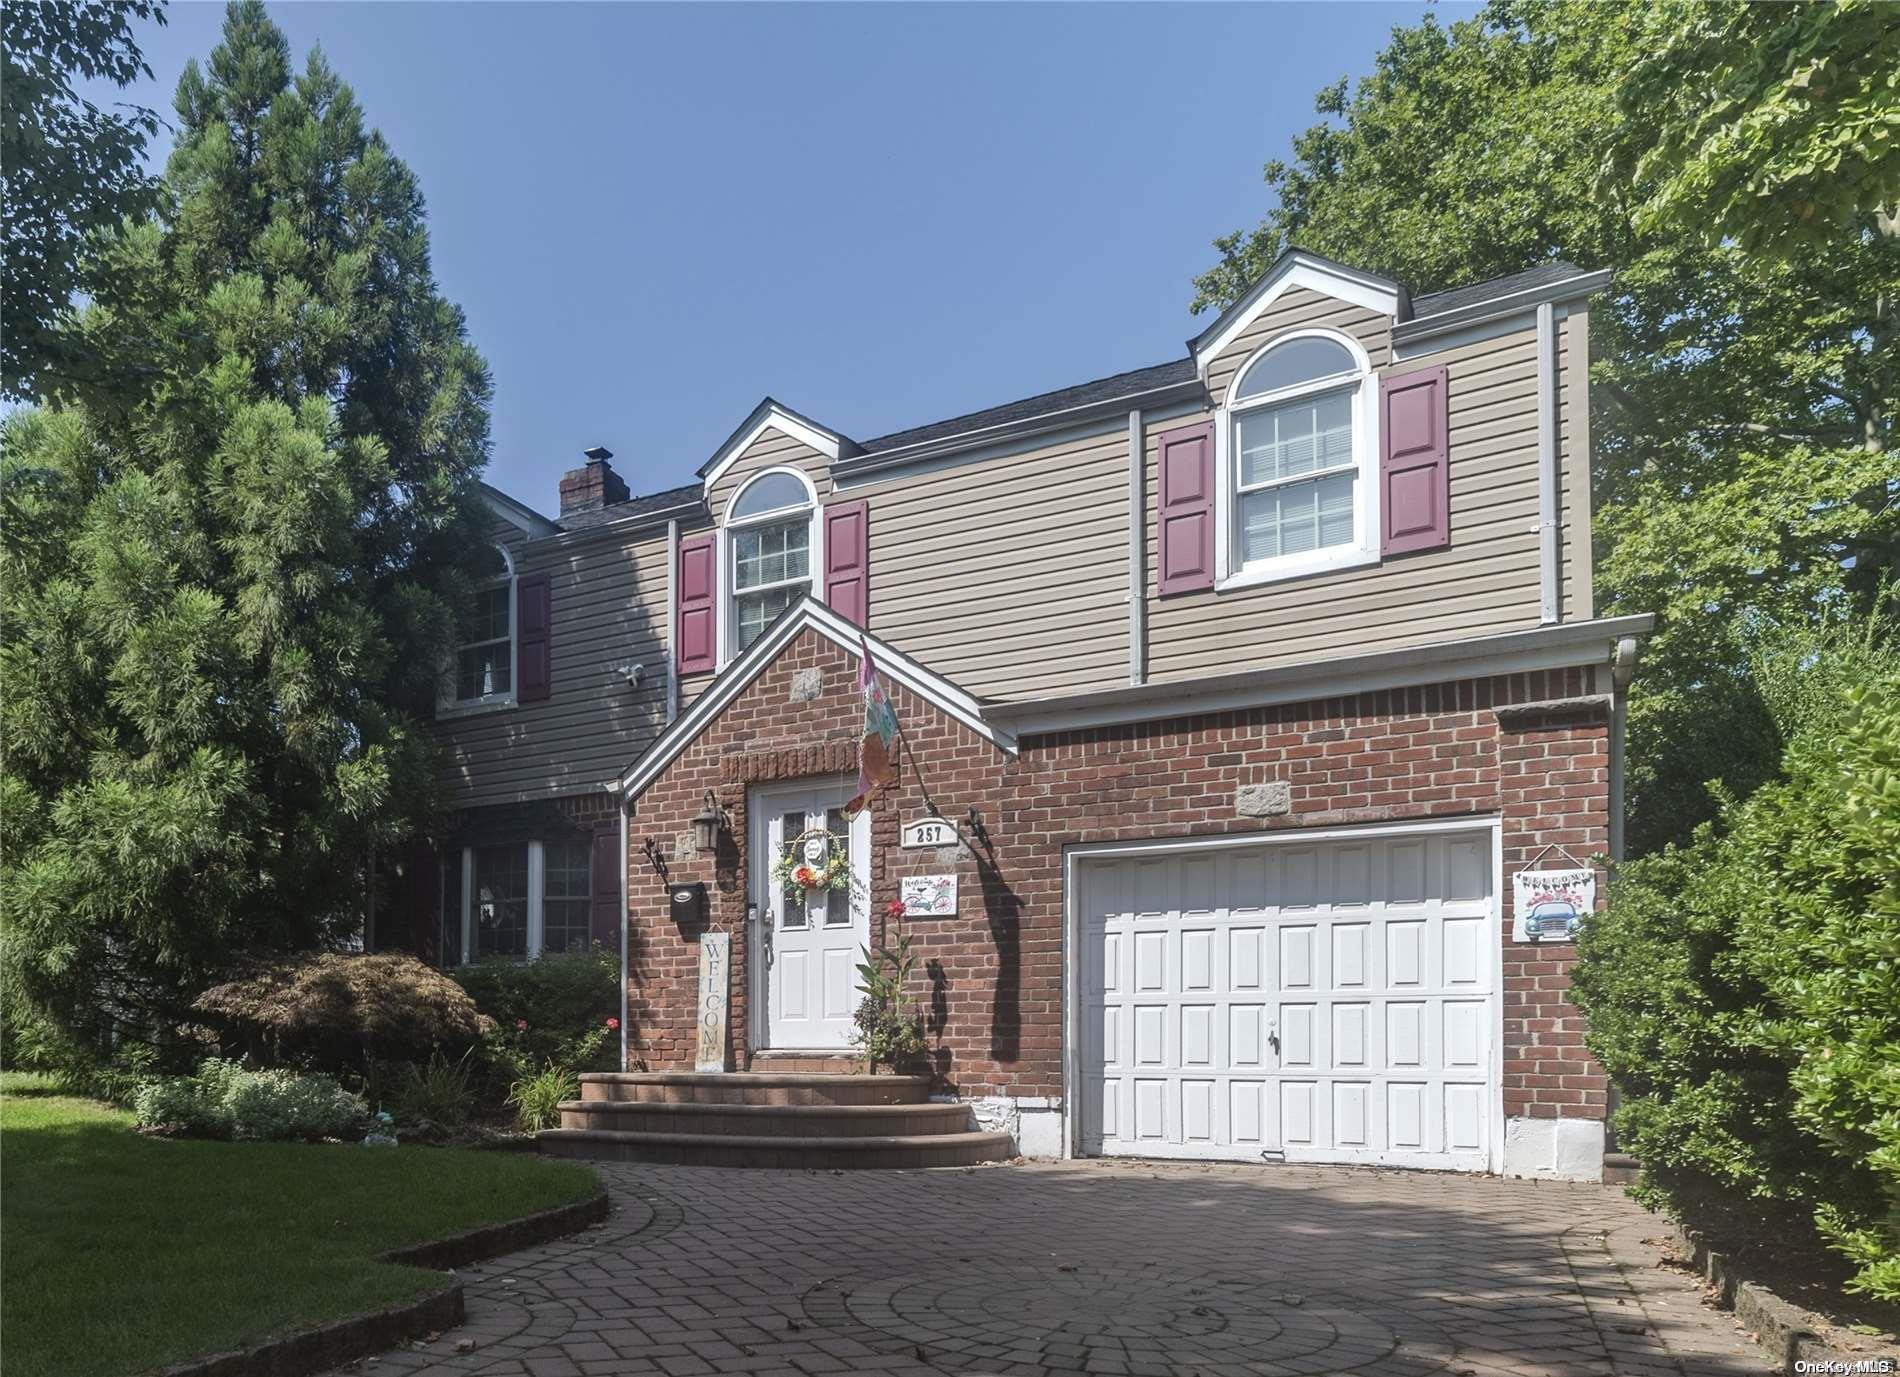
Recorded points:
(1552, 904)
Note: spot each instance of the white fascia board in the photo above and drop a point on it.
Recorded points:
(815, 616)
(1552, 647)
(1298, 269)
(517, 514)
(773, 418)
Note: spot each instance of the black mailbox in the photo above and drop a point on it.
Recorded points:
(687, 904)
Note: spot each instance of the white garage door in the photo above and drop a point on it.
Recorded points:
(1326, 1001)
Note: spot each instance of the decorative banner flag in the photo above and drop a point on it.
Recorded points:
(880, 734)
(1552, 904)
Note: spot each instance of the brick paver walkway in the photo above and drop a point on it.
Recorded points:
(1121, 1269)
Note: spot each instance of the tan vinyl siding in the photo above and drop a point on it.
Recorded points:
(1009, 574)
(774, 449)
(1484, 582)
(1301, 309)
(1573, 392)
(608, 600)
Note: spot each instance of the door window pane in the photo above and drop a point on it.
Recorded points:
(794, 913)
(838, 901)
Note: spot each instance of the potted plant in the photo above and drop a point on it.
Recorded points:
(889, 1027)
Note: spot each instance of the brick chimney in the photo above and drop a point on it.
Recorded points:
(594, 486)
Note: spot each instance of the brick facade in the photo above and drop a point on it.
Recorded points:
(992, 991)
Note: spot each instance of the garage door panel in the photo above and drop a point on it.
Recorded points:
(1297, 958)
(1325, 1001)
(1352, 964)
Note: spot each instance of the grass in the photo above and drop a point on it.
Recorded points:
(119, 1253)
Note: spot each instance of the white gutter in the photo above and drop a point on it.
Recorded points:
(1494, 307)
(1550, 602)
(1040, 424)
(1622, 671)
(1137, 550)
(1515, 652)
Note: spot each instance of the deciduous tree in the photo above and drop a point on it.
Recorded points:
(1742, 402)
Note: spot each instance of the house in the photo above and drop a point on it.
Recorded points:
(1243, 685)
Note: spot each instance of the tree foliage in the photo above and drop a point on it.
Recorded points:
(231, 554)
(1742, 404)
(1777, 126)
(1744, 990)
(67, 168)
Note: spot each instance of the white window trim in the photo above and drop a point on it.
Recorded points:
(1364, 547)
(728, 556)
(451, 706)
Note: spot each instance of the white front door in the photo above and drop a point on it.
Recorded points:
(1316, 1001)
(810, 941)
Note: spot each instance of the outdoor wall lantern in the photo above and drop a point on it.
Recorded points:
(709, 823)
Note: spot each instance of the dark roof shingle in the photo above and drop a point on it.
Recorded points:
(638, 506)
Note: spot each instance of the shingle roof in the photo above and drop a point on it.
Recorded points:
(638, 506)
(1531, 278)
(1136, 380)
(1102, 390)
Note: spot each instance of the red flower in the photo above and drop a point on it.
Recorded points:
(895, 908)
(613, 1025)
(521, 1025)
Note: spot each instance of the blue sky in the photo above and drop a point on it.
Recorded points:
(882, 215)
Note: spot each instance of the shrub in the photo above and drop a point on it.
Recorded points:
(338, 1013)
(1744, 993)
(224, 1100)
(537, 1098)
(554, 1009)
(428, 1099)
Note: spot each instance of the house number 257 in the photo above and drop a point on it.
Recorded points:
(927, 832)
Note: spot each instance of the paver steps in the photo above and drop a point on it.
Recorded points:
(769, 1119)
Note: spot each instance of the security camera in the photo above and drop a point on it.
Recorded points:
(634, 673)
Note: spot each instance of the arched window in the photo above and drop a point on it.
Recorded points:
(485, 656)
(769, 534)
(1297, 418)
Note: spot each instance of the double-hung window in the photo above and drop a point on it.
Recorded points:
(1298, 458)
(769, 531)
(567, 896)
(501, 901)
(485, 656)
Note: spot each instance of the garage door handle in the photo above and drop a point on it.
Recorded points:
(1273, 1037)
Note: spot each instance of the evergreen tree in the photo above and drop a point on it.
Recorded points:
(233, 555)
(1745, 481)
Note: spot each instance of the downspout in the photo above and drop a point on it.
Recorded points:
(672, 629)
(625, 927)
(1137, 551)
(1622, 670)
(1548, 531)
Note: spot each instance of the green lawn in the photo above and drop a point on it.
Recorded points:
(119, 1253)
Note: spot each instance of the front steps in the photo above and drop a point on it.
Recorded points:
(775, 1118)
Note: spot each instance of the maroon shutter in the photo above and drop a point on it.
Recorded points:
(698, 640)
(848, 560)
(532, 651)
(605, 917)
(1185, 507)
(1414, 461)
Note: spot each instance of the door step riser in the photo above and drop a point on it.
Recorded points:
(825, 1154)
(779, 1121)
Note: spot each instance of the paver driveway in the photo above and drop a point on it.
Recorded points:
(1132, 1269)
